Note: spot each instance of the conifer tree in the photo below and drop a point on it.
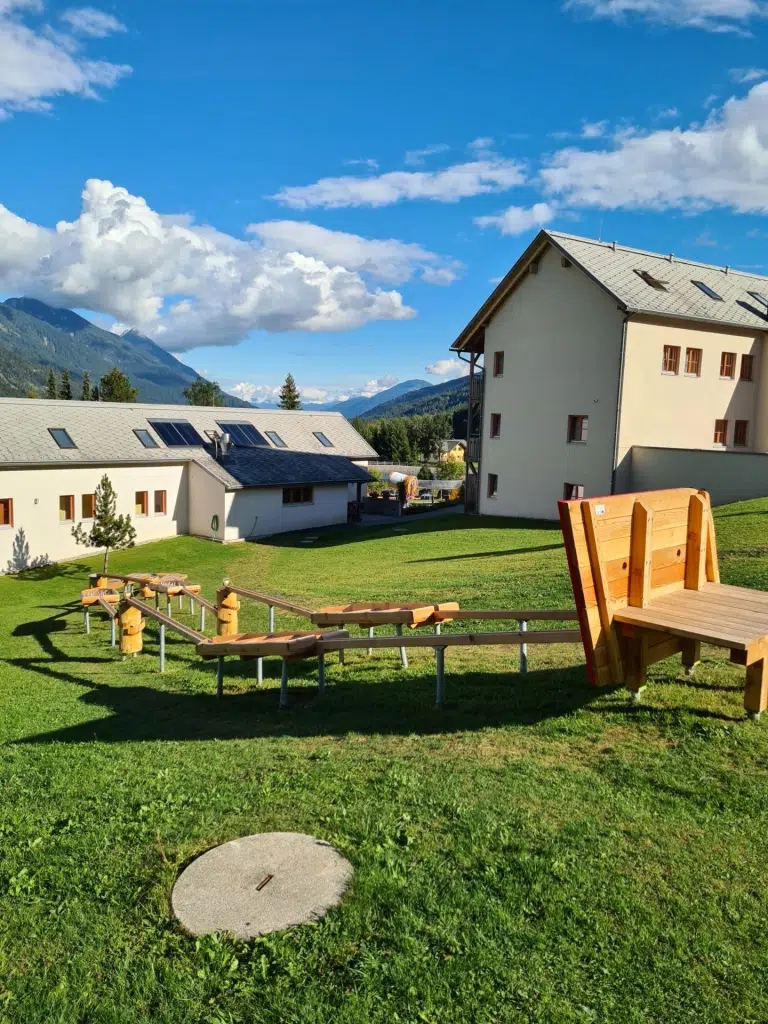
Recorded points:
(65, 391)
(109, 530)
(51, 387)
(289, 394)
(115, 386)
(95, 396)
(85, 395)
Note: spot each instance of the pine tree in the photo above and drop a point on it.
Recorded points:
(115, 386)
(95, 396)
(65, 390)
(51, 388)
(204, 392)
(109, 530)
(289, 394)
(85, 395)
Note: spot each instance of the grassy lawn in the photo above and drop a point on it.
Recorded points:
(538, 851)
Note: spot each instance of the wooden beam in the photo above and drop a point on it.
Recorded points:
(553, 636)
(602, 592)
(276, 602)
(510, 615)
(696, 551)
(713, 566)
(152, 613)
(641, 556)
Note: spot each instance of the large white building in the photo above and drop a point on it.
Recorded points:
(607, 369)
(283, 471)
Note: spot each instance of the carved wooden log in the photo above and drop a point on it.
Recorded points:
(227, 607)
(131, 629)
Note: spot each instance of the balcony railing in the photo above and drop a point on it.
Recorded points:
(476, 387)
(473, 449)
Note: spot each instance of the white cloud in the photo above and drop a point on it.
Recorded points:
(263, 394)
(182, 283)
(711, 15)
(492, 174)
(705, 240)
(745, 75)
(481, 146)
(517, 219)
(666, 113)
(416, 157)
(37, 63)
(447, 368)
(89, 22)
(365, 161)
(594, 129)
(723, 162)
(387, 260)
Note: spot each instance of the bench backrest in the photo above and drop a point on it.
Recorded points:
(627, 549)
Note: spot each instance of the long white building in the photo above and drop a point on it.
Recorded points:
(283, 470)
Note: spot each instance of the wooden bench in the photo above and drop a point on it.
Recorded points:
(645, 576)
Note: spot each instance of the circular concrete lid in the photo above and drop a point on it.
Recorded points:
(260, 884)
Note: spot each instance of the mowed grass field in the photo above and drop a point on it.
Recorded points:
(537, 851)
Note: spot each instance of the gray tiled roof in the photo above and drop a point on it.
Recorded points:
(613, 266)
(270, 467)
(104, 433)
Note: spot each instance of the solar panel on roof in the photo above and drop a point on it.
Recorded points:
(177, 433)
(244, 434)
(707, 290)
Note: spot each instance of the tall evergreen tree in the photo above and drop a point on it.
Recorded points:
(65, 391)
(95, 396)
(204, 392)
(85, 395)
(109, 530)
(289, 394)
(115, 386)
(50, 391)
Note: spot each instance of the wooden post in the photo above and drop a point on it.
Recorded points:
(640, 556)
(227, 607)
(756, 689)
(691, 655)
(696, 552)
(635, 665)
(602, 591)
(131, 629)
(713, 566)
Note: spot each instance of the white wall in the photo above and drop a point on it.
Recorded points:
(206, 500)
(727, 475)
(259, 511)
(561, 338)
(37, 533)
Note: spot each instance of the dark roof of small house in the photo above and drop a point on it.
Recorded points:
(268, 467)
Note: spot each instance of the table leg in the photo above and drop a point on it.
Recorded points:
(691, 655)
(756, 689)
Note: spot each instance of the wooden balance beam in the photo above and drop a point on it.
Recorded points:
(646, 580)
(132, 615)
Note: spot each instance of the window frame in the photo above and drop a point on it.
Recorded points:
(6, 503)
(303, 500)
(578, 423)
(145, 503)
(498, 363)
(164, 510)
(62, 430)
(747, 356)
(67, 518)
(492, 486)
(724, 431)
(138, 431)
(745, 442)
(676, 371)
(495, 427)
(93, 506)
(723, 364)
(693, 373)
(708, 290)
(324, 440)
(271, 435)
(569, 488)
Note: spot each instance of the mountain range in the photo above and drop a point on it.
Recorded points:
(35, 338)
(446, 397)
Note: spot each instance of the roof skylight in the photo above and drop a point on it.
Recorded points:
(323, 439)
(61, 437)
(708, 291)
(275, 438)
(759, 297)
(146, 438)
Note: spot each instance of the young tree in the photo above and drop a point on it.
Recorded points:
(204, 392)
(289, 394)
(95, 396)
(50, 391)
(109, 530)
(65, 391)
(115, 386)
(32, 393)
(85, 395)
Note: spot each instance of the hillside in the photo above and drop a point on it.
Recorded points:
(35, 337)
(361, 406)
(446, 397)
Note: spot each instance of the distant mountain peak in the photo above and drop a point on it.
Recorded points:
(56, 316)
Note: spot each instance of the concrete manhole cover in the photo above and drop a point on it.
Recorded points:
(260, 884)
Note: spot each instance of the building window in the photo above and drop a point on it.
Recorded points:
(721, 432)
(322, 439)
(6, 511)
(707, 290)
(577, 429)
(146, 438)
(297, 496)
(275, 438)
(67, 508)
(88, 506)
(693, 362)
(740, 430)
(141, 505)
(160, 503)
(495, 424)
(493, 485)
(728, 365)
(671, 363)
(61, 437)
(573, 491)
(746, 367)
(498, 364)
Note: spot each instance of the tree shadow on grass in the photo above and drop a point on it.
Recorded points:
(52, 571)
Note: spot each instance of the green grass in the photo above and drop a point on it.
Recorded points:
(538, 851)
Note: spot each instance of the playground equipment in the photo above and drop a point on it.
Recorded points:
(132, 615)
(106, 599)
(645, 576)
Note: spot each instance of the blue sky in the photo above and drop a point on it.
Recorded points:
(332, 189)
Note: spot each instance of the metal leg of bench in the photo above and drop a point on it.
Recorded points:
(87, 621)
(370, 637)
(440, 669)
(284, 684)
(259, 671)
(114, 632)
(219, 677)
(403, 652)
(321, 674)
(169, 607)
(523, 649)
(202, 618)
(162, 647)
(271, 618)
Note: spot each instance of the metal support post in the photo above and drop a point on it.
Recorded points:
(271, 618)
(440, 668)
(169, 607)
(321, 674)
(202, 618)
(114, 633)
(523, 649)
(219, 677)
(162, 647)
(157, 600)
(341, 656)
(403, 652)
(284, 684)
(259, 671)
(87, 620)
(438, 628)
(181, 602)
(370, 637)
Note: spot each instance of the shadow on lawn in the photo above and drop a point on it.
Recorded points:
(487, 554)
